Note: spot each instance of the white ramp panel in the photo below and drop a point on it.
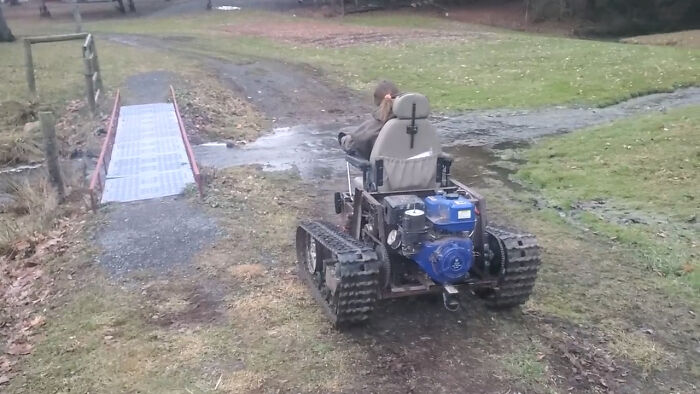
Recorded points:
(149, 159)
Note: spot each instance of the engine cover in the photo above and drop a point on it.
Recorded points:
(450, 213)
(446, 260)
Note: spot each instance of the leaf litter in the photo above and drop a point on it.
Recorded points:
(25, 287)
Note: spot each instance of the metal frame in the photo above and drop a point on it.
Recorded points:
(367, 205)
(99, 176)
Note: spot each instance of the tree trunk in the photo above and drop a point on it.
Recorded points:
(5, 33)
(591, 9)
(527, 11)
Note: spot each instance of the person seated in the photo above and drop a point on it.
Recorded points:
(360, 141)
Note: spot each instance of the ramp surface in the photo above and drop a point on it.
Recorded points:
(149, 159)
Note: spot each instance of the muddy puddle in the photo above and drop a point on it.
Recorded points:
(311, 150)
(485, 144)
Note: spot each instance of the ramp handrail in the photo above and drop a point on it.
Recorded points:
(188, 147)
(97, 183)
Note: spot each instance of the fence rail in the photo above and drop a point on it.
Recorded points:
(97, 183)
(91, 64)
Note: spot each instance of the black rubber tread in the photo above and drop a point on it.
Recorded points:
(357, 272)
(522, 262)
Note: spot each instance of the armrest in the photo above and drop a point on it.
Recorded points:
(358, 162)
(444, 162)
(445, 158)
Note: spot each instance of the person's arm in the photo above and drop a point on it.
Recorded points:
(346, 143)
(360, 141)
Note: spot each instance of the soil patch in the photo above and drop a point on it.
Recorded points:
(149, 87)
(508, 14)
(325, 34)
(185, 301)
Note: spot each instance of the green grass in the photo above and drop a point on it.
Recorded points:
(101, 342)
(59, 69)
(492, 70)
(526, 366)
(489, 69)
(649, 165)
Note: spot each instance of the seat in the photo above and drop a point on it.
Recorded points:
(405, 154)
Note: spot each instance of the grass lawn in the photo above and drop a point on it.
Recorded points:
(649, 165)
(59, 69)
(486, 69)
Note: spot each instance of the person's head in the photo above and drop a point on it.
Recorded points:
(384, 94)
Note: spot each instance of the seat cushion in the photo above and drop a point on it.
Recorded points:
(409, 174)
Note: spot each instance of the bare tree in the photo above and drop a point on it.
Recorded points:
(5, 33)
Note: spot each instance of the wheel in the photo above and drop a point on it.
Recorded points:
(312, 263)
(384, 266)
(515, 261)
(308, 253)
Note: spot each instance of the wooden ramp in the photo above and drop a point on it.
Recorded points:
(145, 155)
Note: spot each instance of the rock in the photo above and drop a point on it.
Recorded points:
(100, 130)
(32, 128)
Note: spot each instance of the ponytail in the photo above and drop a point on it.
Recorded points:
(386, 108)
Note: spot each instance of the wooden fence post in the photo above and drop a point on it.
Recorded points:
(89, 72)
(29, 64)
(51, 151)
(96, 65)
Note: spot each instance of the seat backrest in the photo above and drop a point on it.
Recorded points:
(408, 147)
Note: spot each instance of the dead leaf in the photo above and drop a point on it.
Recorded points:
(17, 349)
(22, 245)
(38, 321)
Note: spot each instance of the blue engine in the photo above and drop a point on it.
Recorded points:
(450, 213)
(435, 233)
(446, 260)
(449, 259)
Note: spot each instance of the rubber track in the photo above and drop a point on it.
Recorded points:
(522, 264)
(357, 270)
